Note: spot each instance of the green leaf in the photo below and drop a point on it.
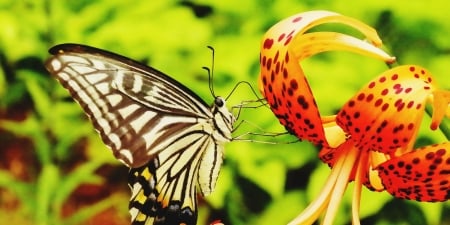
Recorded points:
(282, 209)
(83, 174)
(23, 191)
(33, 129)
(40, 97)
(46, 187)
(88, 212)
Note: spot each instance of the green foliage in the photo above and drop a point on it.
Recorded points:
(259, 183)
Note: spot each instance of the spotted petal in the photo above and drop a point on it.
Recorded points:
(283, 82)
(422, 175)
(385, 115)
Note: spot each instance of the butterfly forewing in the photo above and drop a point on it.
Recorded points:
(152, 123)
(125, 99)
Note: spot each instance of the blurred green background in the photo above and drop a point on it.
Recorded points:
(55, 170)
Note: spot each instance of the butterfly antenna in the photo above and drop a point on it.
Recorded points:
(211, 72)
(243, 82)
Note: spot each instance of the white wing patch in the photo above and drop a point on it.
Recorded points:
(104, 123)
(137, 85)
(103, 88)
(127, 110)
(115, 140)
(114, 99)
(141, 121)
(96, 77)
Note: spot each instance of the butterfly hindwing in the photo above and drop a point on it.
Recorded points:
(168, 136)
(163, 192)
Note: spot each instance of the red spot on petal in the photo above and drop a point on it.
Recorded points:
(281, 37)
(382, 79)
(268, 43)
(394, 77)
(372, 84)
(296, 19)
(294, 84)
(429, 155)
(361, 96)
(285, 73)
(269, 63)
(440, 152)
(351, 104)
(378, 102)
(275, 59)
(291, 33)
(400, 106)
(288, 40)
(412, 68)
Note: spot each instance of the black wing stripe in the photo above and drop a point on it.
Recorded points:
(164, 98)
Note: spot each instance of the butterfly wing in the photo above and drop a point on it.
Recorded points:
(166, 192)
(136, 109)
(151, 122)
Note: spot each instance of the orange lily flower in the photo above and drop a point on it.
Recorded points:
(370, 140)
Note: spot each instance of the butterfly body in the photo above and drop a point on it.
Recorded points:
(169, 137)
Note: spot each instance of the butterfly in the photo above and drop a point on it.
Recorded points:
(170, 138)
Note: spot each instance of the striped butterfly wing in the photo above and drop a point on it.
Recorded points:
(163, 131)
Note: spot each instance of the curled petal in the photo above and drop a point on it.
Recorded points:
(371, 178)
(422, 175)
(441, 107)
(386, 114)
(313, 43)
(283, 82)
(334, 134)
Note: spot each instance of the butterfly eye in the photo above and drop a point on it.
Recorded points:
(219, 102)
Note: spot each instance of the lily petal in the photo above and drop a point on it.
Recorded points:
(441, 107)
(283, 82)
(317, 42)
(421, 175)
(385, 115)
